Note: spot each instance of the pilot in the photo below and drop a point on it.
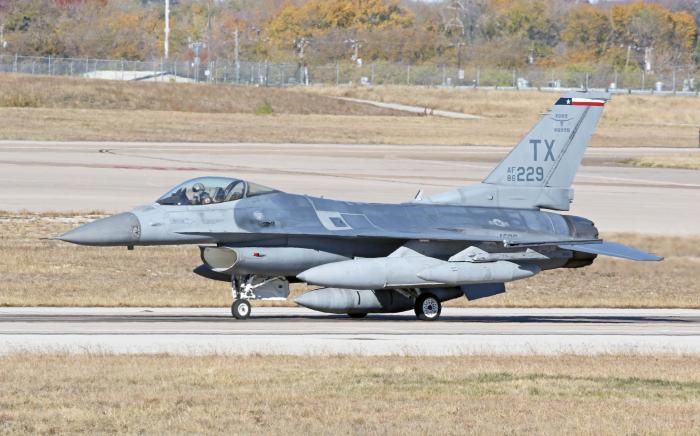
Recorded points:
(198, 190)
(205, 198)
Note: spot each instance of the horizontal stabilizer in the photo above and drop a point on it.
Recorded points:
(613, 249)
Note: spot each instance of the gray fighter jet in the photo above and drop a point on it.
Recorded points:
(385, 258)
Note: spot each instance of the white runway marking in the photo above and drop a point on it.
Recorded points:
(302, 332)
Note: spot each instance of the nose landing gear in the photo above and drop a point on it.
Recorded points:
(240, 309)
(252, 287)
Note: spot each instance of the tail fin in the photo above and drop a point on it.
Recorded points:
(539, 171)
(551, 152)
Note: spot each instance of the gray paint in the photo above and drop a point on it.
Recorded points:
(335, 300)
(270, 261)
(120, 229)
(553, 150)
(477, 237)
(462, 273)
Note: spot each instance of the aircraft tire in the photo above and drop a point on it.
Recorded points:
(240, 309)
(427, 307)
(357, 315)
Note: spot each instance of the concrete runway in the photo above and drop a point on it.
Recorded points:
(303, 332)
(84, 176)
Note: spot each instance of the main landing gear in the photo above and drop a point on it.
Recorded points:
(427, 307)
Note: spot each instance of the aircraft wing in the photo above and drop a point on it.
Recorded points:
(613, 249)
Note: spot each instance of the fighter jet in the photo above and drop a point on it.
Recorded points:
(385, 258)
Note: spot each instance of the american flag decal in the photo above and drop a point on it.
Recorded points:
(577, 101)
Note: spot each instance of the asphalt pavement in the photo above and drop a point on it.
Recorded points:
(297, 331)
(112, 177)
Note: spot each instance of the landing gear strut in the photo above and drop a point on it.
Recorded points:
(242, 291)
(252, 287)
(427, 307)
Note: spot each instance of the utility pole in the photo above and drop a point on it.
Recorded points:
(355, 44)
(166, 45)
(300, 44)
(197, 47)
(3, 43)
(458, 44)
(235, 55)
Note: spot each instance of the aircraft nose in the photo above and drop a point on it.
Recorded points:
(120, 229)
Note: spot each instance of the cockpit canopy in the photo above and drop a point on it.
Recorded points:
(209, 190)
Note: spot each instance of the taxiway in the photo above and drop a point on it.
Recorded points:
(461, 331)
(81, 176)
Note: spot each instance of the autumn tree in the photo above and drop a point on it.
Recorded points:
(651, 28)
(332, 20)
(587, 34)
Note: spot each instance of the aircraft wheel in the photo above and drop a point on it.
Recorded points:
(427, 307)
(357, 315)
(240, 309)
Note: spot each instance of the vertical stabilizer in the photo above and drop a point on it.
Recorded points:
(550, 154)
(539, 171)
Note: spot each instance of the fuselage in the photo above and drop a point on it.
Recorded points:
(282, 215)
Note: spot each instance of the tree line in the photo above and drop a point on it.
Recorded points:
(456, 33)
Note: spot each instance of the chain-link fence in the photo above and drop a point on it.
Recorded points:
(680, 80)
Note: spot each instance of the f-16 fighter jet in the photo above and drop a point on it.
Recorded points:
(385, 258)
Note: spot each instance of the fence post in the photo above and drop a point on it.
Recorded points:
(49, 65)
(337, 73)
(478, 76)
(408, 75)
(674, 80)
(14, 66)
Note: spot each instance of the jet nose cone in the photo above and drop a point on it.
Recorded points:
(120, 229)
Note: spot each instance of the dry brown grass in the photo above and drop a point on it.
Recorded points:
(52, 108)
(628, 120)
(142, 125)
(339, 395)
(50, 273)
(20, 90)
(683, 161)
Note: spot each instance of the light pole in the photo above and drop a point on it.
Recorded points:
(236, 55)
(197, 49)
(300, 45)
(166, 45)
